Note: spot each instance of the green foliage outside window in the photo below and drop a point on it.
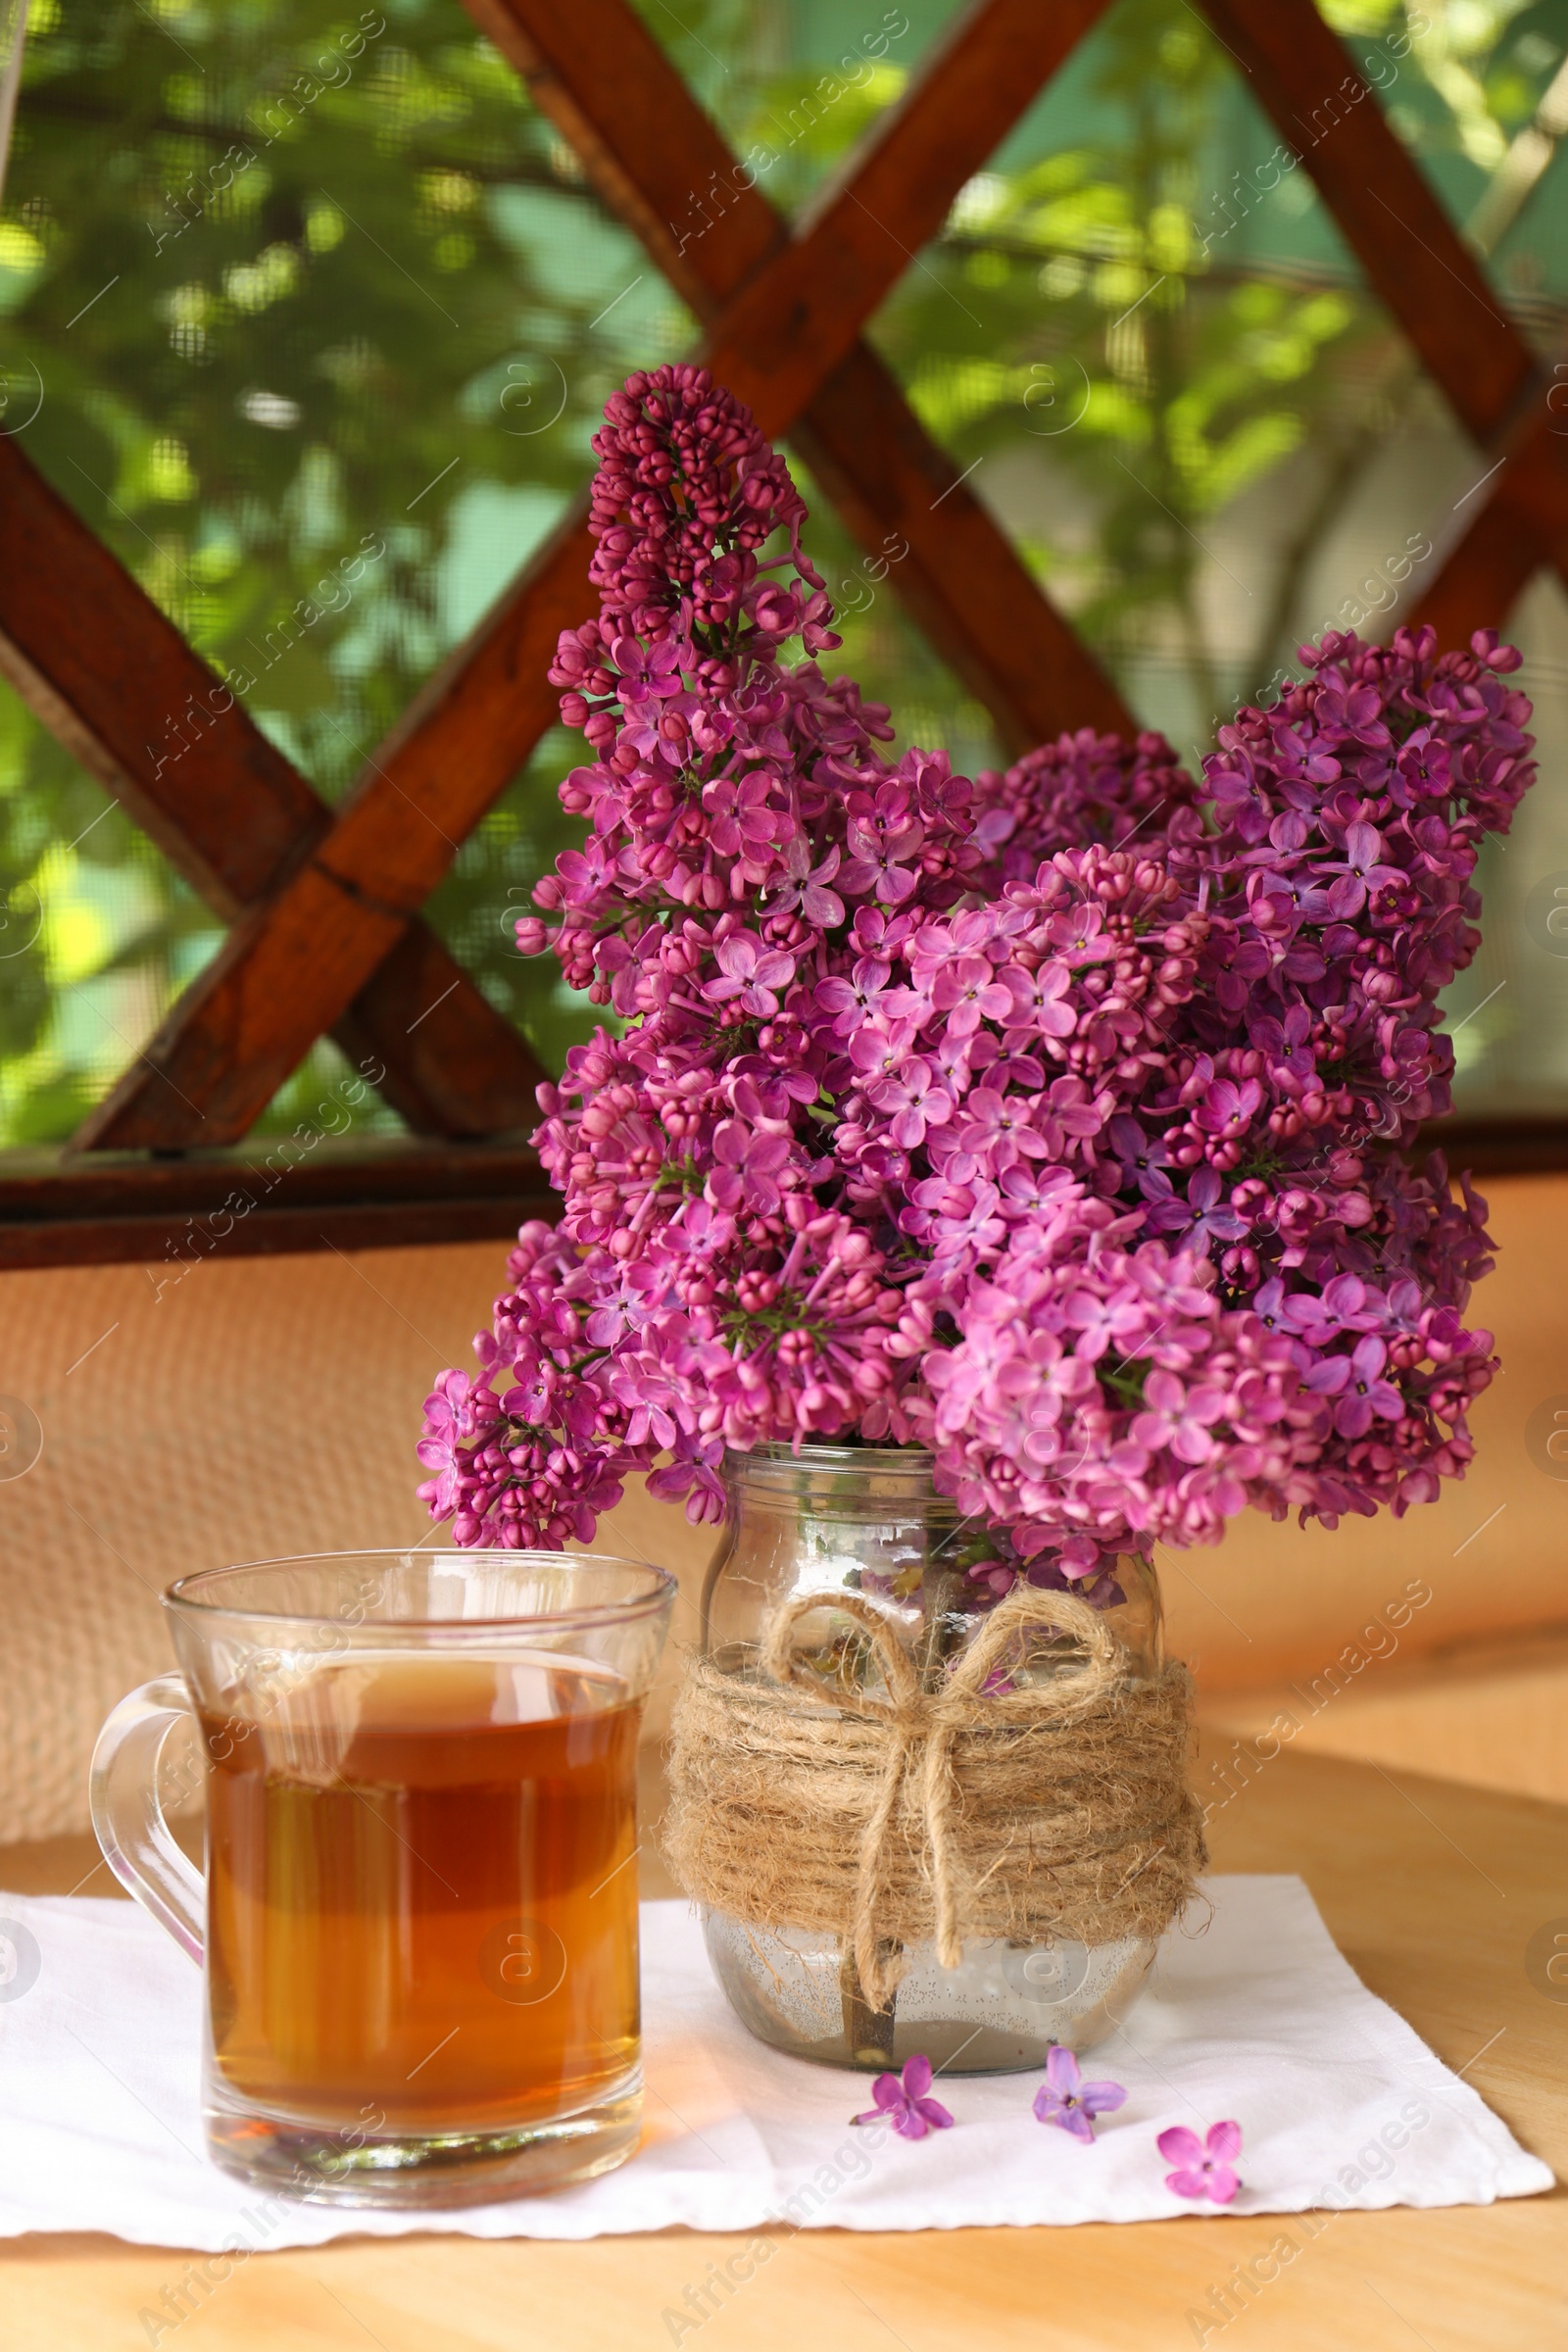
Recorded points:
(309, 314)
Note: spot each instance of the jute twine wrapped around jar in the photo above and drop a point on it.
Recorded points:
(1060, 1811)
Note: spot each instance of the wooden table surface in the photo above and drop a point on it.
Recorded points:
(1432, 1892)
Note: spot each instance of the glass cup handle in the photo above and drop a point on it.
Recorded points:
(128, 1817)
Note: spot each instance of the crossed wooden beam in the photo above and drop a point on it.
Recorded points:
(1432, 284)
(124, 692)
(326, 933)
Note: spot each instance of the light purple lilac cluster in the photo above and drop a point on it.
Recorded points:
(1050, 1121)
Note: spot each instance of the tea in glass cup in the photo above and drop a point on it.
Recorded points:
(419, 1915)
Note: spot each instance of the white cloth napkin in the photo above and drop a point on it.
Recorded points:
(1257, 2016)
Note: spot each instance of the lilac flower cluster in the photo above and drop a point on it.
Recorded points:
(1050, 1121)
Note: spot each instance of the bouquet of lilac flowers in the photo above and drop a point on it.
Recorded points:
(1054, 1121)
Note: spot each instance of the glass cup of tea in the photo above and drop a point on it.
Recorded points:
(418, 1922)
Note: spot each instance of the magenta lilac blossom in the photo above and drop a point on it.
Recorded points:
(903, 2101)
(1205, 2168)
(1067, 2101)
(1054, 1121)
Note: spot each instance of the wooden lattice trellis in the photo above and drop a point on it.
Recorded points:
(324, 905)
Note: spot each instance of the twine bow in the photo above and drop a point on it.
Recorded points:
(925, 1723)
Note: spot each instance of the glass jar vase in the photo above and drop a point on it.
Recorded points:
(860, 1520)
